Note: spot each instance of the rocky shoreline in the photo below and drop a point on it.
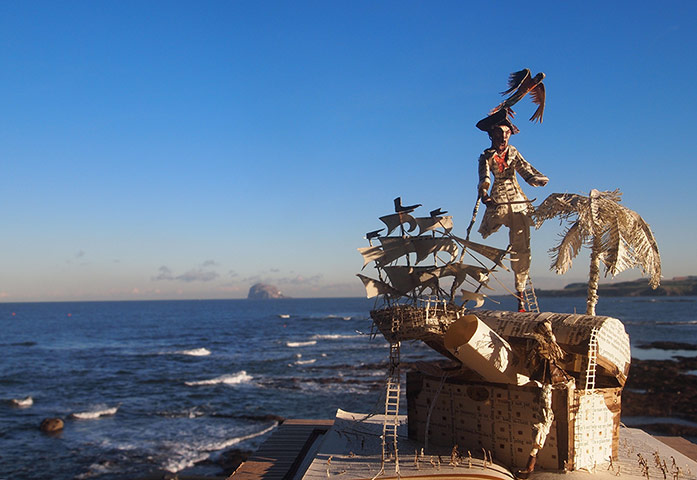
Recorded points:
(663, 389)
(679, 286)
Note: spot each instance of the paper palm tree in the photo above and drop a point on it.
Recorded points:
(616, 235)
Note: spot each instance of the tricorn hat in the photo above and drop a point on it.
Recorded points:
(499, 117)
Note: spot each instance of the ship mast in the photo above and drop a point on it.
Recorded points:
(401, 285)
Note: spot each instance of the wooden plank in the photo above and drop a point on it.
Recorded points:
(282, 453)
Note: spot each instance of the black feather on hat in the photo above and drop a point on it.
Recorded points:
(500, 117)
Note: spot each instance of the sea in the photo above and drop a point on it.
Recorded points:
(167, 386)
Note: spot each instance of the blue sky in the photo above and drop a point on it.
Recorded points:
(189, 149)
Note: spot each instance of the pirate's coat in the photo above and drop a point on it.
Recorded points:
(516, 216)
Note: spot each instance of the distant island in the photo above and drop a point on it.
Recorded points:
(262, 291)
(678, 286)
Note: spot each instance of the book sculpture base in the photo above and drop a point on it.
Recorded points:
(490, 401)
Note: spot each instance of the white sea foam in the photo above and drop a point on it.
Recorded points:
(337, 389)
(233, 379)
(305, 362)
(301, 344)
(96, 469)
(214, 446)
(192, 352)
(22, 402)
(338, 316)
(92, 414)
(188, 455)
(185, 459)
(195, 352)
(193, 412)
(331, 337)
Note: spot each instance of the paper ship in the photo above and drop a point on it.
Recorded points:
(496, 388)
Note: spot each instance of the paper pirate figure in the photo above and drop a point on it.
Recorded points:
(506, 204)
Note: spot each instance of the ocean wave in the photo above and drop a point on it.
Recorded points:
(215, 446)
(686, 322)
(233, 379)
(22, 402)
(189, 455)
(97, 469)
(332, 336)
(301, 344)
(184, 460)
(193, 412)
(305, 362)
(194, 352)
(338, 388)
(92, 414)
(335, 385)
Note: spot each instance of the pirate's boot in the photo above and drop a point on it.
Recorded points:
(529, 468)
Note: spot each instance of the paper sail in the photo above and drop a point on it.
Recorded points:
(394, 248)
(391, 249)
(371, 254)
(462, 270)
(405, 279)
(472, 296)
(396, 219)
(494, 254)
(424, 246)
(397, 247)
(374, 287)
(427, 224)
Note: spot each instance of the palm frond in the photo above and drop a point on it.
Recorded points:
(645, 248)
(562, 205)
(618, 236)
(614, 195)
(603, 207)
(614, 252)
(627, 242)
(564, 253)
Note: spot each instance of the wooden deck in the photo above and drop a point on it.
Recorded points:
(282, 454)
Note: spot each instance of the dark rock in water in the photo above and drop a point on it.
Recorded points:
(165, 475)
(265, 418)
(51, 425)
(262, 291)
(230, 460)
(661, 388)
